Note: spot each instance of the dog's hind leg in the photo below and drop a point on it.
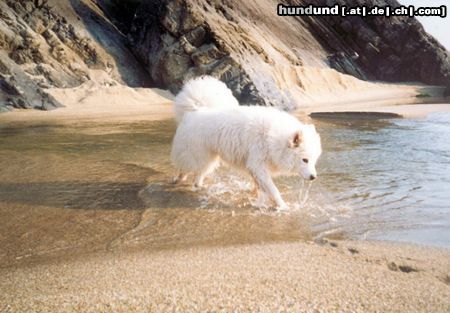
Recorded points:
(181, 177)
(262, 200)
(212, 164)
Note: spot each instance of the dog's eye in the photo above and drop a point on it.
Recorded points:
(305, 160)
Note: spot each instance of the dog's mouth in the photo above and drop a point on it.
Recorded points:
(310, 177)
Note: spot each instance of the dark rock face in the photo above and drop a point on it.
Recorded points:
(447, 90)
(175, 44)
(390, 49)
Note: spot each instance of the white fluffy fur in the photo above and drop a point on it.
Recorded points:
(264, 141)
(201, 92)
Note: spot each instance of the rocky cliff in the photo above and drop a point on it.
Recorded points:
(264, 58)
(390, 49)
(45, 44)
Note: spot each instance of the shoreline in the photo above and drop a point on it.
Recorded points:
(87, 103)
(163, 111)
(92, 102)
(342, 276)
(391, 111)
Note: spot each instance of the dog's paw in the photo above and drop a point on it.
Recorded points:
(179, 178)
(197, 187)
(282, 208)
(199, 184)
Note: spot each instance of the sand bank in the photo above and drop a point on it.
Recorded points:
(342, 276)
(380, 101)
(382, 111)
(105, 100)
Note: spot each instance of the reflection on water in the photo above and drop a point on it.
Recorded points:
(77, 188)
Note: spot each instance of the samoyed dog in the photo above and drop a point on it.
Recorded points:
(263, 141)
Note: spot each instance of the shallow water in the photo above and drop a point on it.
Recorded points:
(68, 189)
(393, 175)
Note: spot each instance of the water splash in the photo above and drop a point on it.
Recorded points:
(305, 194)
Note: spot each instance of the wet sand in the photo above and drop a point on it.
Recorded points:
(380, 101)
(338, 276)
(380, 112)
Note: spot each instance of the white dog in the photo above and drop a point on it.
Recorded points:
(262, 140)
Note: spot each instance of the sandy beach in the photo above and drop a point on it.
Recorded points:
(392, 101)
(324, 276)
(418, 110)
(106, 100)
(335, 276)
(100, 100)
(90, 217)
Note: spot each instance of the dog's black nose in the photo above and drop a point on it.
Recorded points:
(312, 177)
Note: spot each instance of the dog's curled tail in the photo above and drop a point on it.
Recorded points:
(203, 92)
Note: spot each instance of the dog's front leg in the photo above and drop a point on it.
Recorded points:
(264, 181)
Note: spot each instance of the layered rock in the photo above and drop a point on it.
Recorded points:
(263, 58)
(390, 49)
(47, 44)
(176, 43)
(278, 60)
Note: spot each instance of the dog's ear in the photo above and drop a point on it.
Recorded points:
(296, 139)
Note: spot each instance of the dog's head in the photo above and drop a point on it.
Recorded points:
(305, 149)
